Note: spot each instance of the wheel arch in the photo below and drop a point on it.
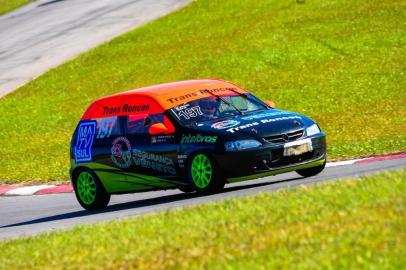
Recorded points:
(205, 151)
(80, 168)
(76, 171)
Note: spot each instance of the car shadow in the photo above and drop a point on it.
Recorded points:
(49, 3)
(141, 203)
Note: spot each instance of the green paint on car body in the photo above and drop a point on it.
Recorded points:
(128, 182)
(115, 180)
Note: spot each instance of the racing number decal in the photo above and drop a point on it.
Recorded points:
(84, 141)
(105, 127)
(188, 113)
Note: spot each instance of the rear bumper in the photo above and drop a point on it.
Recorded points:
(269, 160)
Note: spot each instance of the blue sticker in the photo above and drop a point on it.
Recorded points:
(84, 141)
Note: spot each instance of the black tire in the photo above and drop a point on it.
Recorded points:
(186, 189)
(98, 197)
(215, 181)
(312, 171)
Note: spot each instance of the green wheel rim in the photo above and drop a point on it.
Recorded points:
(201, 171)
(86, 188)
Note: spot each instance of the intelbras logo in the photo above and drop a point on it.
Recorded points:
(198, 138)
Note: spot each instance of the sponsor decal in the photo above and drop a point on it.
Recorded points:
(105, 127)
(198, 138)
(263, 121)
(161, 138)
(188, 113)
(121, 152)
(153, 161)
(179, 98)
(123, 156)
(217, 90)
(125, 108)
(181, 160)
(225, 124)
(84, 141)
(200, 93)
(261, 115)
(181, 107)
(234, 129)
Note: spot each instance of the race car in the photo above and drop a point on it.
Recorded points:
(194, 135)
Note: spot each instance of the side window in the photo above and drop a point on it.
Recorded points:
(106, 127)
(137, 124)
(140, 123)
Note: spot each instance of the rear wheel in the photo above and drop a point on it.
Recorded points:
(89, 191)
(204, 174)
(312, 171)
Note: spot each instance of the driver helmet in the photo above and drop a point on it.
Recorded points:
(209, 106)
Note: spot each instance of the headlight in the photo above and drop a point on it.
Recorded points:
(313, 129)
(241, 145)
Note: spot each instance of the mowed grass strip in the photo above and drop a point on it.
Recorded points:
(339, 62)
(9, 5)
(349, 224)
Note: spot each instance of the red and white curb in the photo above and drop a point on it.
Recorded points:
(365, 160)
(16, 190)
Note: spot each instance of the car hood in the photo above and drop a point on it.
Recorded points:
(258, 124)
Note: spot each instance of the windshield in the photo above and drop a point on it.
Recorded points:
(217, 107)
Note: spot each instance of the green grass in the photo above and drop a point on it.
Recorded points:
(340, 62)
(351, 224)
(9, 5)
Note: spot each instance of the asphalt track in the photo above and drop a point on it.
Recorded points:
(30, 215)
(47, 33)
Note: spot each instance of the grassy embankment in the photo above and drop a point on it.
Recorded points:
(9, 5)
(340, 62)
(350, 224)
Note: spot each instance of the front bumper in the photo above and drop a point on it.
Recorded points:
(269, 159)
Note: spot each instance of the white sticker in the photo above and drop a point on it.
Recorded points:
(298, 147)
(190, 112)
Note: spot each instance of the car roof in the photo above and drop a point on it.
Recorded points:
(167, 95)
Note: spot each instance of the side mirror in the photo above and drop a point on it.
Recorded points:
(270, 104)
(158, 128)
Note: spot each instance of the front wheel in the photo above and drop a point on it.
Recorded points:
(89, 191)
(204, 174)
(312, 171)
(186, 189)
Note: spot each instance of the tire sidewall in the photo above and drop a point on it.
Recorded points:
(312, 171)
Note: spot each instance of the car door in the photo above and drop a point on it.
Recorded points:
(153, 156)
